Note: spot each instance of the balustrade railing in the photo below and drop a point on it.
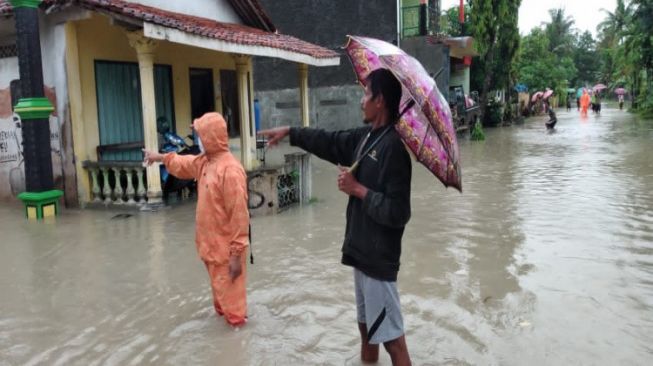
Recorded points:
(117, 182)
(270, 189)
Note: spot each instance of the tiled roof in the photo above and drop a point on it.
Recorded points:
(252, 13)
(228, 32)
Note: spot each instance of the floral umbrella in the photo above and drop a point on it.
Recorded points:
(547, 93)
(620, 91)
(426, 126)
(599, 87)
(536, 95)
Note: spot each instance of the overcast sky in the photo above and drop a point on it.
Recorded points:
(586, 13)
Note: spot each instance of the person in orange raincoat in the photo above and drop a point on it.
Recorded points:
(222, 216)
(584, 103)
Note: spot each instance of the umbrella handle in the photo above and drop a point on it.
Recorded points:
(356, 163)
(353, 167)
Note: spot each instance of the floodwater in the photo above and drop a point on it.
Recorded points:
(546, 259)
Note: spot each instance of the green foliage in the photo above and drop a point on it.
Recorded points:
(496, 36)
(613, 26)
(558, 57)
(494, 114)
(449, 23)
(477, 132)
(559, 33)
(587, 61)
(539, 68)
(547, 56)
(626, 51)
(294, 175)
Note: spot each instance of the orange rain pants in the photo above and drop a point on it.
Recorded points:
(229, 298)
(222, 216)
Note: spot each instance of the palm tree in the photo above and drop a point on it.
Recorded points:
(613, 27)
(642, 55)
(559, 31)
(627, 45)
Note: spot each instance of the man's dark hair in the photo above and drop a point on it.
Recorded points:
(382, 81)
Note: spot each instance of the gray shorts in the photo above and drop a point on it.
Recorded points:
(377, 305)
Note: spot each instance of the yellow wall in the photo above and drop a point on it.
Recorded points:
(97, 39)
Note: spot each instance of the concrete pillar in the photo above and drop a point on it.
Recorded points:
(303, 93)
(247, 142)
(40, 200)
(76, 112)
(145, 51)
(33, 108)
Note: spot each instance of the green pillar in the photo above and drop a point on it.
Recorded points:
(34, 110)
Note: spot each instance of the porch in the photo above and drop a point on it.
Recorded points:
(130, 80)
(271, 188)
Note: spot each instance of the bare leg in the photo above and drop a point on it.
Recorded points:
(369, 352)
(398, 351)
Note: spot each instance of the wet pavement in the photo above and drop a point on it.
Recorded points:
(546, 259)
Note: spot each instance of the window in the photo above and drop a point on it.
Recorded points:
(120, 114)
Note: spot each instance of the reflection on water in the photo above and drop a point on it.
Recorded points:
(547, 258)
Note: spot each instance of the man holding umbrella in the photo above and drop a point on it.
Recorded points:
(378, 186)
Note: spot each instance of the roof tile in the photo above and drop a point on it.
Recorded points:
(228, 32)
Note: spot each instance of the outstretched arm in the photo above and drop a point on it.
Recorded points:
(275, 135)
(181, 166)
(336, 147)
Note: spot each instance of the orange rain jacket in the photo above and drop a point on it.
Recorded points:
(585, 100)
(222, 216)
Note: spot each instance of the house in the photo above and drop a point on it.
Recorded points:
(457, 52)
(334, 92)
(118, 72)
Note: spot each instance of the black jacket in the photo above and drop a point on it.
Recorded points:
(375, 224)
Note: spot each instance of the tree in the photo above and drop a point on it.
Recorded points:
(450, 24)
(559, 32)
(613, 26)
(494, 27)
(639, 52)
(586, 61)
(626, 48)
(539, 68)
(612, 32)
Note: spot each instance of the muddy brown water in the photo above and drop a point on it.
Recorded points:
(546, 259)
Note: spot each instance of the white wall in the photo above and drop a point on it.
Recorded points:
(8, 71)
(54, 76)
(11, 168)
(53, 53)
(460, 77)
(219, 10)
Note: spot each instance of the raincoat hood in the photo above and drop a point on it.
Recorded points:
(212, 130)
